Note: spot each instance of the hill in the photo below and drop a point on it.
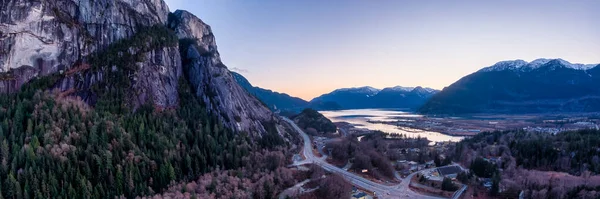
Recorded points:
(314, 122)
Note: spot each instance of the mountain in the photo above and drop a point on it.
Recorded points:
(138, 47)
(402, 97)
(543, 85)
(124, 99)
(369, 97)
(41, 38)
(349, 98)
(274, 100)
(211, 79)
(325, 105)
(345, 98)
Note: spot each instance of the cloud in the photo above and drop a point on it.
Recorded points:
(239, 70)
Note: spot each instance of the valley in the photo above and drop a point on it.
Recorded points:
(396, 99)
(381, 191)
(362, 121)
(470, 125)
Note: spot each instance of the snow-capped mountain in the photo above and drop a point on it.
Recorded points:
(369, 97)
(543, 85)
(520, 65)
(401, 88)
(367, 90)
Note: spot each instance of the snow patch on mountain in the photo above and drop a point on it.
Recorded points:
(402, 88)
(523, 65)
(365, 89)
(369, 91)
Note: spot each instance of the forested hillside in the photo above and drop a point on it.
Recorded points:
(565, 165)
(57, 146)
(60, 147)
(314, 122)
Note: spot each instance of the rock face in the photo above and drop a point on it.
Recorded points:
(158, 78)
(39, 37)
(96, 48)
(213, 82)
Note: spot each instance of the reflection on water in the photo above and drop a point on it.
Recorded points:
(360, 118)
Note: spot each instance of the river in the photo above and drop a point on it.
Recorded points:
(360, 117)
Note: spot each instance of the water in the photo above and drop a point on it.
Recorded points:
(360, 118)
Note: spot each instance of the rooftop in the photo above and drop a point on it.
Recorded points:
(449, 170)
(359, 195)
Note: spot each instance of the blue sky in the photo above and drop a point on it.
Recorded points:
(309, 47)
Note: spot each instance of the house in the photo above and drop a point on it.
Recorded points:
(486, 182)
(413, 166)
(430, 164)
(449, 171)
(405, 173)
(359, 195)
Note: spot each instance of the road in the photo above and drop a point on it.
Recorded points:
(382, 191)
(293, 190)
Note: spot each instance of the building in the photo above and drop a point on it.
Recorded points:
(413, 166)
(486, 182)
(449, 171)
(359, 195)
(430, 164)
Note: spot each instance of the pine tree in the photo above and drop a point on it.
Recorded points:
(495, 184)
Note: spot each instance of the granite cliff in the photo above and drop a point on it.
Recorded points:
(211, 79)
(40, 38)
(133, 50)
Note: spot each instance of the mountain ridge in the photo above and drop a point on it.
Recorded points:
(136, 50)
(274, 100)
(546, 85)
(523, 65)
(369, 97)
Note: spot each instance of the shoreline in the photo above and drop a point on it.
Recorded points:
(411, 128)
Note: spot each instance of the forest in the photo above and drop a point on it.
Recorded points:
(314, 122)
(375, 151)
(573, 152)
(543, 165)
(52, 146)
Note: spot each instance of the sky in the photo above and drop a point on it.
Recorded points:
(310, 47)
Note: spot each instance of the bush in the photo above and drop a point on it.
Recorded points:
(448, 185)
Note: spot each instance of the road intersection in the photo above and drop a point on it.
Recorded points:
(382, 191)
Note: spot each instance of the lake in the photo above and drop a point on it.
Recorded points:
(360, 117)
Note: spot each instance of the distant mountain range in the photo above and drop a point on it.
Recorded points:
(344, 98)
(274, 100)
(369, 97)
(543, 85)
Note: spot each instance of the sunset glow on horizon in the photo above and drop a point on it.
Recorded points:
(308, 48)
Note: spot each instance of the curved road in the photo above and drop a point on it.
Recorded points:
(382, 191)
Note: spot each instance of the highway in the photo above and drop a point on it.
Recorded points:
(382, 191)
